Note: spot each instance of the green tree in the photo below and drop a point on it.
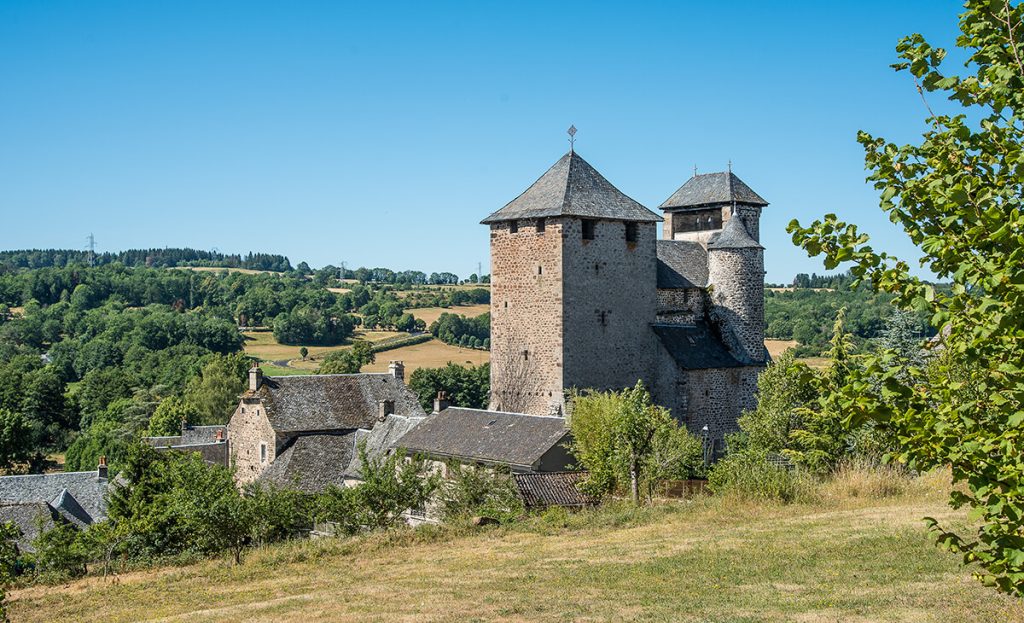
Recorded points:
(627, 443)
(169, 415)
(466, 386)
(213, 394)
(303, 352)
(348, 361)
(9, 534)
(15, 438)
(958, 195)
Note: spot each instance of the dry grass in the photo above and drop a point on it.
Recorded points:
(217, 269)
(339, 290)
(432, 354)
(777, 347)
(852, 559)
(430, 314)
(262, 345)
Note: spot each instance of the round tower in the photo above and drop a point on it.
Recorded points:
(736, 277)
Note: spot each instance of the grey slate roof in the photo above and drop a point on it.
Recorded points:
(733, 236)
(695, 347)
(32, 518)
(202, 434)
(380, 440)
(312, 462)
(573, 188)
(540, 490)
(215, 453)
(70, 509)
(88, 489)
(332, 401)
(712, 189)
(512, 439)
(681, 264)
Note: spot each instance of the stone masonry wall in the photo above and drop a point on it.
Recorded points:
(681, 306)
(526, 317)
(247, 428)
(737, 280)
(610, 297)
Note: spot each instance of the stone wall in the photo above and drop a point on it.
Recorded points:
(737, 280)
(526, 317)
(681, 305)
(247, 429)
(610, 297)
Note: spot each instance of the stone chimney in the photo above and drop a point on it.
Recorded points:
(384, 409)
(397, 370)
(255, 377)
(220, 436)
(101, 470)
(441, 402)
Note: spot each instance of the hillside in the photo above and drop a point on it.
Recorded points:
(843, 559)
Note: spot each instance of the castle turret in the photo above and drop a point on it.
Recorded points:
(573, 289)
(705, 203)
(736, 277)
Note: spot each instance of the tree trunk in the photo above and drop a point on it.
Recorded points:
(634, 482)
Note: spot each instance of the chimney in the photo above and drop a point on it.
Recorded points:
(220, 436)
(101, 471)
(441, 402)
(255, 377)
(385, 408)
(397, 370)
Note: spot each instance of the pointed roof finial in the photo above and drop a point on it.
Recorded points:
(695, 170)
(730, 166)
(572, 138)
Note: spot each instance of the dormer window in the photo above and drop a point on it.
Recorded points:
(589, 225)
(631, 232)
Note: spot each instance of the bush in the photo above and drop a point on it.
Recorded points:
(751, 475)
(479, 491)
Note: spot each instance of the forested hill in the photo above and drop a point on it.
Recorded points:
(154, 258)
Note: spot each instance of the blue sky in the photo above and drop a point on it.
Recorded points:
(379, 134)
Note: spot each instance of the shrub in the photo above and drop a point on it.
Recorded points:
(751, 475)
(475, 490)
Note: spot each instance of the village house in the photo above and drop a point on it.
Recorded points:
(37, 502)
(305, 431)
(211, 442)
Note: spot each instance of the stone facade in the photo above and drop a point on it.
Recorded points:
(574, 301)
(254, 444)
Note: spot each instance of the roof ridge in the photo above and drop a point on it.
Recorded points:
(551, 417)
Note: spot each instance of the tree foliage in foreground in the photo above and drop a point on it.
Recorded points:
(958, 195)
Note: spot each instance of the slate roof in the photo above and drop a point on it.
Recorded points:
(695, 347)
(32, 518)
(87, 488)
(312, 462)
(514, 439)
(215, 453)
(681, 264)
(332, 401)
(733, 236)
(712, 189)
(202, 434)
(540, 490)
(70, 509)
(380, 440)
(571, 187)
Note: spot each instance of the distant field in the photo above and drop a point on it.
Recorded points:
(432, 354)
(430, 314)
(790, 289)
(339, 290)
(777, 347)
(263, 346)
(219, 270)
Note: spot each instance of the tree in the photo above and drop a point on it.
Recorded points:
(958, 195)
(624, 441)
(348, 361)
(169, 416)
(9, 534)
(214, 393)
(15, 438)
(303, 352)
(465, 386)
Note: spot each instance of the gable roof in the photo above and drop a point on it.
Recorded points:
(70, 509)
(31, 518)
(571, 187)
(332, 401)
(312, 462)
(695, 347)
(87, 488)
(513, 439)
(733, 236)
(712, 189)
(380, 440)
(681, 264)
(543, 489)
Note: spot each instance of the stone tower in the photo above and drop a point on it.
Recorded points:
(723, 214)
(573, 292)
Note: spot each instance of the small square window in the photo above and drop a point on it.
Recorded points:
(541, 225)
(513, 227)
(631, 232)
(588, 229)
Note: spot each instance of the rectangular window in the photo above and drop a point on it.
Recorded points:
(541, 224)
(631, 232)
(513, 227)
(263, 452)
(588, 229)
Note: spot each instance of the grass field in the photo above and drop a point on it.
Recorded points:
(777, 347)
(262, 345)
(217, 269)
(843, 559)
(432, 354)
(430, 314)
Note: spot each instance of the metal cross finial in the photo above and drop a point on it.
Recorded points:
(572, 137)
(730, 166)
(695, 170)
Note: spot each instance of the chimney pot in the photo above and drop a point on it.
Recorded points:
(255, 377)
(220, 435)
(397, 370)
(101, 470)
(385, 408)
(441, 402)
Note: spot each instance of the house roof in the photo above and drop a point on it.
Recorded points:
(312, 462)
(202, 434)
(87, 488)
(380, 440)
(543, 489)
(571, 187)
(733, 236)
(32, 518)
(215, 453)
(332, 401)
(487, 436)
(712, 189)
(681, 264)
(70, 509)
(695, 347)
